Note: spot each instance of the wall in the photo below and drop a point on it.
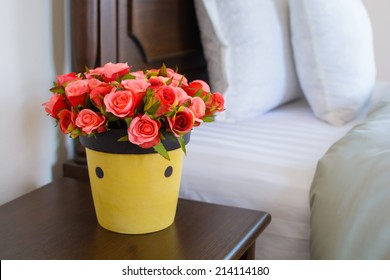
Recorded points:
(378, 11)
(32, 52)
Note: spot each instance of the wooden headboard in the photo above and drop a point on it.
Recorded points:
(143, 33)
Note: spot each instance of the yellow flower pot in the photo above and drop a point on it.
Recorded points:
(134, 190)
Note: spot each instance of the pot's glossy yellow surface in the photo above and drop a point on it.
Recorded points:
(133, 193)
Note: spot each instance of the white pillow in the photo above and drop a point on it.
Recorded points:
(333, 50)
(248, 52)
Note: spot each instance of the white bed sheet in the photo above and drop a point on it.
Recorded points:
(267, 164)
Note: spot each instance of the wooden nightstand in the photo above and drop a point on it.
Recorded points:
(58, 221)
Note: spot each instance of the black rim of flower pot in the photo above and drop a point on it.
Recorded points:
(108, 142)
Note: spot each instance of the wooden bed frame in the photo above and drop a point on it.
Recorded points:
(143, 33)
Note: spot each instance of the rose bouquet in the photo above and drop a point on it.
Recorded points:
(151, 104)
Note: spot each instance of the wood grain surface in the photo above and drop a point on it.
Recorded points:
(58, 221)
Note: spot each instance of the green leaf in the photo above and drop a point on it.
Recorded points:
(148, 99)
(118, 79)
(187, 103)
(82, 75)
(153, 109)
(58, 89)
(128, 121)
(206, 97)
(163, 71)
(181, 80)
(112, 118)
(208, 118)
(128, 76)
(169, 81)
(119, 88)
(170, 114)
(123, 138)
(198, 93)
(148, 104)
(159, 148)
(182, 144)
(75, 133)
(98, 77)
(88, 102)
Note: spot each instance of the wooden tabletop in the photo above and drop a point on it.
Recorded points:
(58, 221)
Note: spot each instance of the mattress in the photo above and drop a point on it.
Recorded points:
(266, 163)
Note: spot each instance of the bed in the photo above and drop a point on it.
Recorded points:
(279, 151)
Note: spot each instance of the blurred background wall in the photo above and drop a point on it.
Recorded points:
(33, 49)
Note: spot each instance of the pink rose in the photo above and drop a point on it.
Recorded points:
(137, 87)
(168, 99)
(111, 71)
(182, 96)
(197, 86)
(55, 105)
(176, 78)
(155, 83)
(182, 122)
(94, 83)
(98, 93)
(120, 103)
(144, 132)
(198, 108)
(77, 92)
(94, 72)
(67, 121)
(164, 80)
(216, 102)
(99, 89)
(89, 121)
(138, 74)
(62, 79)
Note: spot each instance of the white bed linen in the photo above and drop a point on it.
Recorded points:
(266, 163)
